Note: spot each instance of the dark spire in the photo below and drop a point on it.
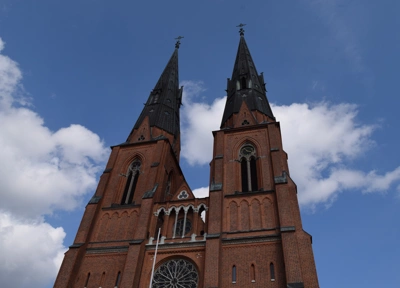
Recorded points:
(245, 85)
(162, 106)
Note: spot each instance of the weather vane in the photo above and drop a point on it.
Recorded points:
(178, 41)
(241, 30)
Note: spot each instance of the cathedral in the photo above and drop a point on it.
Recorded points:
(144, 227)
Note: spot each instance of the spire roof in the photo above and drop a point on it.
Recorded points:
(245, 85)
(162, 106)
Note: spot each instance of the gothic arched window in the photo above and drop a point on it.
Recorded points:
(176, 273)
(131, 181)
(272, 271)
(243, 83)
(248, 167)
(233, 274)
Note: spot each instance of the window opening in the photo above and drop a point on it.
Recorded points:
(156, 98)
(179, 227)
(87, 280)
(117, 280)
(243, 83)
(248, 167)
(132, 178)
(253, 273)
(250, 83)
(272, 271)
(253, 170)
(176, 273)
(234, 274)
(237, 85)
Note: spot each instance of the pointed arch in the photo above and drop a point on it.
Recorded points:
(132, 177)
(234, 274)
(248, 167)
(243, 82)
(272, 271)
(253, 273)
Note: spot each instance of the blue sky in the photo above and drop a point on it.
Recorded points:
(74, 75)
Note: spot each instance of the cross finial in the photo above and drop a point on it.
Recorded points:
(178, 42)
(241, 30)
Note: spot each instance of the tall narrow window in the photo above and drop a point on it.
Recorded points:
(234, 274)
(117, 280)
(131, 181)
(243, 83)
(237, 85)
(87, 280)
(250, 84)
(272, 271)
(253, 172)
(245, 180)
(253, 273)
(248, 167)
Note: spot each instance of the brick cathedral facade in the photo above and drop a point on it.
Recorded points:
(247, 233)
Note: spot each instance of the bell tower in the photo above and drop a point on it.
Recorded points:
(144, 227)
(255, 226)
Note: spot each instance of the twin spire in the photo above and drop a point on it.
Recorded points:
(245, 86)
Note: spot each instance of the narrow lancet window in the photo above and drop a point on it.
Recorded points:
(131, 181)
(272, 271)
(253, 273)
(248, 167)
(87, 280)
(243, 83)
(117, 280)
(234, 274)
(250, 84)
(237, 85)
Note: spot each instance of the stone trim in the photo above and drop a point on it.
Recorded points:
(115, 249)
(288, 229)
(251, 239)
(241, 194)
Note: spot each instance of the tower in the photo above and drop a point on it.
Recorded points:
(247, 233)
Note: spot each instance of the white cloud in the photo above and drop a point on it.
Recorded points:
(1, 44)
(40, 171)
(201, 192)
(321, 140)
(31, 252)
(199, 120)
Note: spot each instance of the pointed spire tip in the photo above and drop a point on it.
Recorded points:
(241, 30)
(178, 41)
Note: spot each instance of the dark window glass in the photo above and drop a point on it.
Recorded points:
(272, 271)
(253, 169)
(245, 180)
(131, 181)
(87, 280)
(234, 273)
(243, 83)
(118, 279)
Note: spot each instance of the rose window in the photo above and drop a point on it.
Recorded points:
(177, 273)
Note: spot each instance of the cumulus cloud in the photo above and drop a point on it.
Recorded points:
(31, 252)
(40, 171)
(196, 131)
(321, 140)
